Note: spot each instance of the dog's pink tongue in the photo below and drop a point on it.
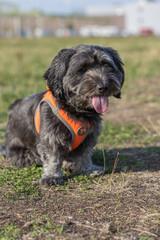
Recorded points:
(100, 104)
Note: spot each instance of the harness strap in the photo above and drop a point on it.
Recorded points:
(79, 131)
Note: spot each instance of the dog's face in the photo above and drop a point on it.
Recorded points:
(85, 76)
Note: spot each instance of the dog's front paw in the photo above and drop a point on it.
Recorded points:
(49, 181)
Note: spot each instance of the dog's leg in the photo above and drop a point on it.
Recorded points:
(19, 154)
(83, 164)
(52, 163)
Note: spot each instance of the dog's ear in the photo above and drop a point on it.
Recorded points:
(118, 62)
(57, 70)
(118, 95)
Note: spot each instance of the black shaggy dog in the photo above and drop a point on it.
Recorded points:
(80, 80)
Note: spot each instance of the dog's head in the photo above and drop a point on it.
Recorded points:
(83, 77)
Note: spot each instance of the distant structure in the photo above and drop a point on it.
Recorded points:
(109, 10)
(140, 17)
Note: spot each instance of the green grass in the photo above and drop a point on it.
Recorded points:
(20, 183)
(118, 136)
(39, 228)
(44, 228)
(10, 232)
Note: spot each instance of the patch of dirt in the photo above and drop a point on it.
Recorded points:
(125, 206)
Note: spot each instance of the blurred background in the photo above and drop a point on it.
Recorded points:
(20, 18)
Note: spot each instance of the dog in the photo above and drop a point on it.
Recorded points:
(79, 81)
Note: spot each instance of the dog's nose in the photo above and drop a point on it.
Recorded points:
(102, 87)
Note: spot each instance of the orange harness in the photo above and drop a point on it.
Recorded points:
(78, 130)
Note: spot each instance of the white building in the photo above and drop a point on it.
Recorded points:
(138, 15)
(143, 14)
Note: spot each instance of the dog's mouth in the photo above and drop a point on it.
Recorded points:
(100, 103)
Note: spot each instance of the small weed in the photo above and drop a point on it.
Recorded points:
(62, 187)
(45, 227)
(81, 211)
(10, 232)
(145, 238)
(99, 156)
(59, 228)
(81, 179)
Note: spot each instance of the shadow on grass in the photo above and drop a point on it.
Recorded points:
(130, 159)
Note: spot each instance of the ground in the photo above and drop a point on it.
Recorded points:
(122, 204)
(122, 207)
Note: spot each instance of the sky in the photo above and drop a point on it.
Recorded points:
(61, 6)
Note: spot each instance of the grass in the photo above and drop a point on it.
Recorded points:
(127, 198)
(10, 232)
(39, 228)
(20, 183)
(117, 136)
(44, 227)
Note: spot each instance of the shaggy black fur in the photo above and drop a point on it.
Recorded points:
(75, 77)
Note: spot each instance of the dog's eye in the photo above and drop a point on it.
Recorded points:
(104, 62)
(108, 65)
